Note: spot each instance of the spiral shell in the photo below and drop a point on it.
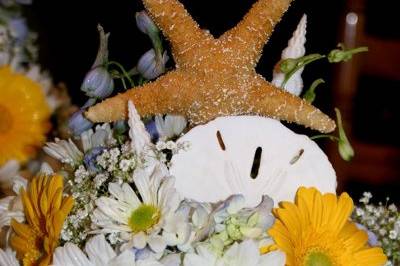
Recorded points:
(295, 49)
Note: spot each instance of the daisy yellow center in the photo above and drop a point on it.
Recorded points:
(144, 217)
(6, 120)
(318, 258)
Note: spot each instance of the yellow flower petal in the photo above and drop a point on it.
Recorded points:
(24, 116)
(316, 229)
(35, 241)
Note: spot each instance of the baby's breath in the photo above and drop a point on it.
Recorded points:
(383, 224)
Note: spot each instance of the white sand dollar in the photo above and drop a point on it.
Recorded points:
(222, 160)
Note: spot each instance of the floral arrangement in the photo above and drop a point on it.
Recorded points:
(159, 190)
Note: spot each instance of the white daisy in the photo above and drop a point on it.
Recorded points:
(102, 136)
(170, 126)
(64, 151)
(245, 253)
(8, 258)
(99, 253)
(139, 221)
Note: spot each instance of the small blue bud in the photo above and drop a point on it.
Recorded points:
(19, 29)
(145, 24)
(150, 67)
(90, 159)
(372, 238)
(78, 123)
(152, 129)
(98, 83)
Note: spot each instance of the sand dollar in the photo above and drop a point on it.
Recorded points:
(249, 155)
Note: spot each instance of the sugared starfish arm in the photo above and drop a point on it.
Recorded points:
(277, 103)
(158, 97)
(177, 25)
(249, 36)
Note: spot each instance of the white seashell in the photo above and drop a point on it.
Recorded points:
(295, 49)
(208, 173)
(140, 138)
(141, 144)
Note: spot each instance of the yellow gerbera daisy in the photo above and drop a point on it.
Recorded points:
(24, 116)
(316, 230)
(45, 211)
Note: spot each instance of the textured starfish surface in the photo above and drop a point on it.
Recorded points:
(214, 76)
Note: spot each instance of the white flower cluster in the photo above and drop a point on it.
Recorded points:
(382, 223)
(90, 181)
(234, 222)
(116, 162)
(168, 148)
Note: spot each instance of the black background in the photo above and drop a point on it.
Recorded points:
(68, 36)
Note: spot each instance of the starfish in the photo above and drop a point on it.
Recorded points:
(214, 76)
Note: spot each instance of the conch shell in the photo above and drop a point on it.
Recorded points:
(295, 49)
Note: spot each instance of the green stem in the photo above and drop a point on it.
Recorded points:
(300, 63)
(331, 137)
(126, 75)
(358, 50)
(157, 44)
(309, 96)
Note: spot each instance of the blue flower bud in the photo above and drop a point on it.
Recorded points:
(152, 129)
(98, 83)
(90, 159)
(19, 29)
(150, 66)
(145, 24)
(78, 123)
(372, 238)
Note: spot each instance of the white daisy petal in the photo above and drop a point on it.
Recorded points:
(70, 255)
(171, 126)
(126, 258)
(130, 196)
(113, 208)
(246, 253)
(157, 244)
(139, 240)
(99, 251)
(273, 258)
(143, 185)
(8, 258)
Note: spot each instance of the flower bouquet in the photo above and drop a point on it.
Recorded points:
(191, 166)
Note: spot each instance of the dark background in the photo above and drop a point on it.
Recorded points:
(68, 41)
